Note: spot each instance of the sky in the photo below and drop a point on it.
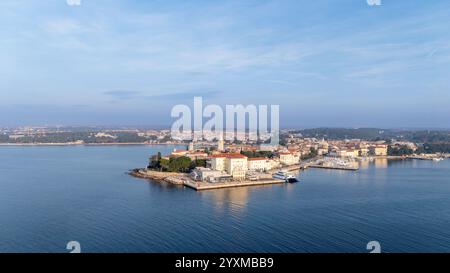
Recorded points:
(327, 63)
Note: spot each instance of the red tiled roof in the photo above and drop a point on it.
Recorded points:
(228, 156)
(236, 156)
(217, 156)
(257, 158)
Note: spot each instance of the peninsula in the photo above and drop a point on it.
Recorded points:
(211, 165)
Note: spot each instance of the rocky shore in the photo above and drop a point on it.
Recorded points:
(174, 178)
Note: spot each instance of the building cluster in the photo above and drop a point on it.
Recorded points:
(409, 145)
(231, 162)
(338, 148)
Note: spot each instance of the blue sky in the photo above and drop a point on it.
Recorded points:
(338, 63)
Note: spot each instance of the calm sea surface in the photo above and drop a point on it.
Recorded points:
(52, 195)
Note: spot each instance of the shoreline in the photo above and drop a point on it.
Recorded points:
(84, 144)
(174, 178)
(183, 179)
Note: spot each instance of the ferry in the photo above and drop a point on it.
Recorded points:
(289, 178)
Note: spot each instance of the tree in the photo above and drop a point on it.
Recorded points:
(164, 165)
(179, 164)
(198, 163)
(312, 153)
(399, 150)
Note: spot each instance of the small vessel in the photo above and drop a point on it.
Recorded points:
(438, 159)
(289, 178)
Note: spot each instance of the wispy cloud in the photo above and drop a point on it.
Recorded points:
(122, 95)
(186, 95)
(63, 26)
(153, 52)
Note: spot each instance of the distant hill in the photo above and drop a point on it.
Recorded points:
(418, 136)
(344, 133)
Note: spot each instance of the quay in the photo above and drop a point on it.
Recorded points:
(313, 164)
(429, 157)
(343, 168)
(199, 186)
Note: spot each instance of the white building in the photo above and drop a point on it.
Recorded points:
(257, 164)
(218, 162)
(234, 164)
(272, 164)
(351, 153)
(288, 158)
(206, 174)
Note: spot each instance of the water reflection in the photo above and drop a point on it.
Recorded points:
(233, 200)
(381, 163)
(364, 164)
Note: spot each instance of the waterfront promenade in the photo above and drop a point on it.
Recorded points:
(184, 179)
(199, 186)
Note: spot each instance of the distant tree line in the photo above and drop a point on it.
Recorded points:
(343, 133)
(427, 148)
(431, 148)
(373, 134)
(400, 150)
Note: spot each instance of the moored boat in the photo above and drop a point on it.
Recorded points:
(289, 178)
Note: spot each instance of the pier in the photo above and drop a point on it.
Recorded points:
(342, 168)
(200, 186)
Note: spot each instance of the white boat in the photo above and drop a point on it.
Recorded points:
(285, 176)
(438, 159)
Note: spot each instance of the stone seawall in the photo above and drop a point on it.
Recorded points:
(174, 178)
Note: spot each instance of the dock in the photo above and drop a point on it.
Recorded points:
(200, 186)
(343, 168)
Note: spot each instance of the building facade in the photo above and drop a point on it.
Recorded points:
(234, 164)
(257, 164)
(288, 158)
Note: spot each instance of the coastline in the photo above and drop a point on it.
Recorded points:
(174, 178)
(184, 179)
(87, 144)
